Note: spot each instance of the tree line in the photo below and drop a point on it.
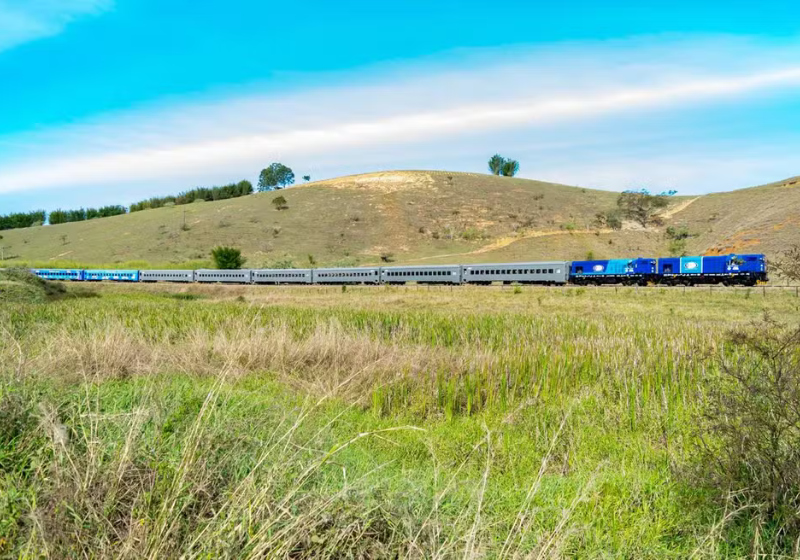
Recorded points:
(22, 219)
(81, 214)
(233, 190)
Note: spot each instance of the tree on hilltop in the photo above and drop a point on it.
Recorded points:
(498, 165)
(510, 168)
(276, 176)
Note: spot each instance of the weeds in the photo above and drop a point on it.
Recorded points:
(750, 428)
(137, 425)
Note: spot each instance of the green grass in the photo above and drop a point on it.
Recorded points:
(417, 216)
(20, 286)
(247, 422)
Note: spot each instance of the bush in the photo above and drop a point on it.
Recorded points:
(227, 258)
(280, 203)
(680, 232)
(750, 427)
(472, 234)
(612, 220)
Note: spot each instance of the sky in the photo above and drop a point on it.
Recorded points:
(112, 101)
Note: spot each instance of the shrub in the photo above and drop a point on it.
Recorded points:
(473, 234)
(387, 257)
(282, 263)
(227, 258)
(612, 220)
(750, 426)
(788, 263)
(279, 202)
(680, 232)
(677, 247)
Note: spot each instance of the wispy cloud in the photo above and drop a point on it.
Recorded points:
(22, 21)
(449, 103)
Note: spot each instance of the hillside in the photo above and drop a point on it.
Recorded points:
(413, 216)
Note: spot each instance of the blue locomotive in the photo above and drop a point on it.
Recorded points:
(733, 269)
(614, 271)
(720, 269)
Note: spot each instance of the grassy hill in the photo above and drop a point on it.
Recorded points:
(412, 217)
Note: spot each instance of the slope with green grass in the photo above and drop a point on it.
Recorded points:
(20, 286)
(412, 216)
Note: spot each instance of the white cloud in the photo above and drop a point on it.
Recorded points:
(447, 104)
(22, 21)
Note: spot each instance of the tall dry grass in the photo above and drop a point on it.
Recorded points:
(140, 427)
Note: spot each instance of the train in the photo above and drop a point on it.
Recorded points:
(730, 270)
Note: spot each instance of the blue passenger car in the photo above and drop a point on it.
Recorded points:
(613, 271)
(112, 275)
(715, 269)
(59, 273)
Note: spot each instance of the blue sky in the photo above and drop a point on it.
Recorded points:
(111, 101)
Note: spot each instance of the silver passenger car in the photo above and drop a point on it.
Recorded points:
(224, 276)
(365, 275)
(551, 272)
(166, 275)
(282, 276)
(446, 274)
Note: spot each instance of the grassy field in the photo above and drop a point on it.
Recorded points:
(210, 421)
(411, 216)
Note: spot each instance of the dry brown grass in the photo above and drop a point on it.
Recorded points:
(330, 361)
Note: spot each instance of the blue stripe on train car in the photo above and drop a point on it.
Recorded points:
(112, 275)
(58, 273)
